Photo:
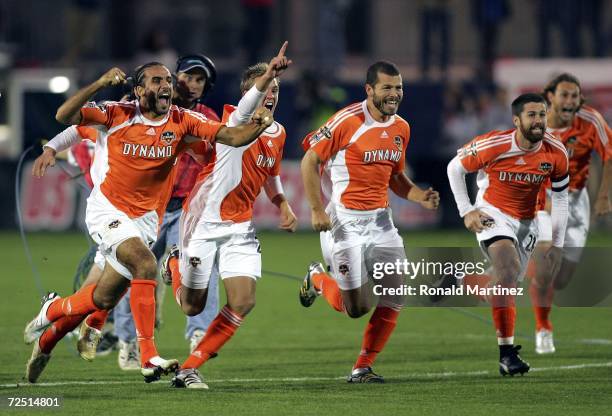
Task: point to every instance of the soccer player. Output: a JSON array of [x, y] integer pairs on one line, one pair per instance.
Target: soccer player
[[217, 237], [582, 130], [133, 172], [361, 150], [512, 165]]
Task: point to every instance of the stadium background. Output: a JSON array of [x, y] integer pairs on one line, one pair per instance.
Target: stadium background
[[494, 50]]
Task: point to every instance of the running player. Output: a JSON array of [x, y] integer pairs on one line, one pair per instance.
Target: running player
[[133, 172], [361, 150], [512, 165], [217, 237], [582, 130]]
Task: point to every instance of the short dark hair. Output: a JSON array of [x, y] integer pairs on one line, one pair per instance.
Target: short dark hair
[[139, 71], [249, 75], [385, 67], [564, 77], [519, 102]]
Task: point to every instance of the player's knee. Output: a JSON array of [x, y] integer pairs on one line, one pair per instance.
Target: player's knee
[[104, 301], [144, 269], [509, 272], [357, 311]]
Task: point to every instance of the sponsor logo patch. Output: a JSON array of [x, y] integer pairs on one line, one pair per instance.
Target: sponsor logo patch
[[114, 224], [167, 137], [343, 269], [195, 261], [545, 167]]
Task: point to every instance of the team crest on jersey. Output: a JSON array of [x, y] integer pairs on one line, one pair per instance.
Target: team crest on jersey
[[195, 261], [469, 150], [343, 269], [114, 224], [398, 142], [167, 137], [323, 133], [569, 146], [99, 106], [546, 167]]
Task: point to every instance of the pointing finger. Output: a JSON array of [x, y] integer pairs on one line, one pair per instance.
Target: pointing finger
[[283, 49]]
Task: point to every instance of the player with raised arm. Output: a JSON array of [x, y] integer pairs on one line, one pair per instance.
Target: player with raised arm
[[136, 150], [582, 130], [512, 165], [217, 237], [361, 150]]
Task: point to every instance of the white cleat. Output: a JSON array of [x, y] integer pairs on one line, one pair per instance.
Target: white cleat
[[35, 328], [188, 378], [89, 338], [129, 356], [37, 363], [153, 369], [195, 339], [544, 342]]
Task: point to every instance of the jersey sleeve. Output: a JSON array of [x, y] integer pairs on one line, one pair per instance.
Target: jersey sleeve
[[102, 114], [559, 178], [473, 156], [87, 133], [327, 141], [196, 124], [401, 165]]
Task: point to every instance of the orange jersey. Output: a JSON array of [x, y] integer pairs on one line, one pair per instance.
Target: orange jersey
[[509, 178], [135, 156], [228, 185], [589, 132], [360, 155]]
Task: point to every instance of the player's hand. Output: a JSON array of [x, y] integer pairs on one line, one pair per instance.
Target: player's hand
[[279, 63], [288, 220], [320, 220], [554, 256], [476, 221], [602, 206], [263, 117], [430, 199], [112, 77], [43, 161]]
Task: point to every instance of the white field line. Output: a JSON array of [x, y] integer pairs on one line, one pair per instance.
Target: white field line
[[446, 374]]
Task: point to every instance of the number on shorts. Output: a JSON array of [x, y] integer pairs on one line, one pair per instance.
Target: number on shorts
[[531, 243]]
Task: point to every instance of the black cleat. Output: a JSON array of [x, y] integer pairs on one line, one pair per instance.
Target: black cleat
[[512, 363], [364, 375]]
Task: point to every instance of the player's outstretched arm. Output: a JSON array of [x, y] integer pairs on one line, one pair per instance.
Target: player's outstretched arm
[[246, 133], [312, 186], [70, 112], [602, 202], [61, 142]]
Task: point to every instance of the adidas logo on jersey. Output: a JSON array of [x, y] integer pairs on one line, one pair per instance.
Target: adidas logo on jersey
[[270, 144], [150, 132], [384, 135], [520, 161]]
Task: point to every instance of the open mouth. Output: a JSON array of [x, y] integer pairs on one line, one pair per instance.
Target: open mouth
[[269, 105], [391, 101], [537, 130], [164, 98], [567, 110]]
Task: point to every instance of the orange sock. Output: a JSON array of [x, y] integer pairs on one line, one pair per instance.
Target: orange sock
[[80, 303], [379, 329], [541, 301], [173, 265], [220, 330], [97, 319], [57, 331], [329, 289], [504, 316], [142, 302]]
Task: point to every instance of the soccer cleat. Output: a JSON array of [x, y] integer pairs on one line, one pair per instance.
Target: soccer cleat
[[195, 339], [129, 356], [35, 328], [188, 378], [544, 342], [107, 344], [364, 375], [153, 369], [165, 271], [308, 293], [36, 364], [512, 363], [89, 338]]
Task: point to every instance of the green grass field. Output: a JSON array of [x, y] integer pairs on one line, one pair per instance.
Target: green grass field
[[289, 360]]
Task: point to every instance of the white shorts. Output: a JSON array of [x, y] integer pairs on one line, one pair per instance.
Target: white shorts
[[233, 251], [357, 240], [524, 233], [578, 222], [110, 227]]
